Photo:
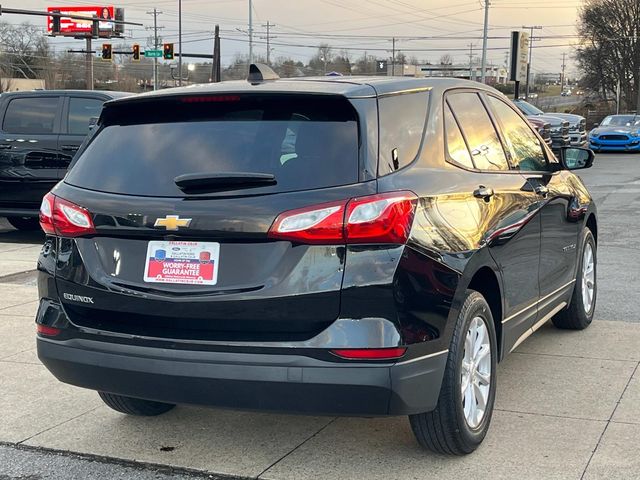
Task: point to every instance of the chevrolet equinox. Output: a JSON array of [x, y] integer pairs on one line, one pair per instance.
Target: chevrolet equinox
[[340, 246]]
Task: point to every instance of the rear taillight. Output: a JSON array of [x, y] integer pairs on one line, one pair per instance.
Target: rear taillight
[[384, 218], [370, 353], [46, 214], [61, 217]]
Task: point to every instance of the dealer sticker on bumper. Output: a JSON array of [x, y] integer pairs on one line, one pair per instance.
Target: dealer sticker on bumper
[[191, 263]]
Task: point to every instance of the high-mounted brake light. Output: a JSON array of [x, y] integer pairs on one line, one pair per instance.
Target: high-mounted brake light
[[370, 353], [210, 98], [383, 218], [61, 217]]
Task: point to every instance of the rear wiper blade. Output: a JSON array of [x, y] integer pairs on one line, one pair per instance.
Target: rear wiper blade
[[210, 182]]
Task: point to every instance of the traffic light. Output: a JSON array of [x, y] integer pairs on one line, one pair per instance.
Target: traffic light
[[167, 52], [106, 52], [136, 52], [55, 27]]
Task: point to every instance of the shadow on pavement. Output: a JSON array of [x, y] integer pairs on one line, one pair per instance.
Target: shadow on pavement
[[8, 234]]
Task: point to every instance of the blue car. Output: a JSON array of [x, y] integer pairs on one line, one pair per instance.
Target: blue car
[[616, 133]]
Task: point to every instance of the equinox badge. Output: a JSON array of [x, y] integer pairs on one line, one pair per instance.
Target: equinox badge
[[172, 222], [77, 298]]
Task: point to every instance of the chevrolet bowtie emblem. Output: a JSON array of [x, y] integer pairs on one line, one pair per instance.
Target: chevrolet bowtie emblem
[[172, 222]]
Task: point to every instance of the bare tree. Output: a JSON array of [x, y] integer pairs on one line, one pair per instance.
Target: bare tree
[[610, 49], [25, 51]]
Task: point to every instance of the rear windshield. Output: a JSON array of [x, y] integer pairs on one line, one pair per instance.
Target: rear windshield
[[307, 142]]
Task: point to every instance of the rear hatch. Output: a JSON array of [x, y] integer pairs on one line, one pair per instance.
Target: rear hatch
[[183, 191]]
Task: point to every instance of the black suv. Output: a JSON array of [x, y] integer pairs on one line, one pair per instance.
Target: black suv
[[344, 246], [40, 132]]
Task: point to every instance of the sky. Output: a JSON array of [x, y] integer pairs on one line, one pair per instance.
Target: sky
[[450, 27]]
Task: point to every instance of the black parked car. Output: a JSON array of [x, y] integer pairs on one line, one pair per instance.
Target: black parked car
[[40, 132], [349, 246]]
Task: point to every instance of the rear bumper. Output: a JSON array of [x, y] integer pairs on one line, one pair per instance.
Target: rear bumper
[[19, 212], [289, 383]]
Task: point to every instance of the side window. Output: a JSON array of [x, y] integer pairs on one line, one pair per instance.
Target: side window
[[31, 115], [80, 112], [478, 130], [526, 152], [402, 119], [456, 146]]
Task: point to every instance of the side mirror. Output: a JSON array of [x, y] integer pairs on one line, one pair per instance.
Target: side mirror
[[596, 125], [574, 158]]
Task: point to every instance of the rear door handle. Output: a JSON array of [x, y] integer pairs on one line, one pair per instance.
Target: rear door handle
[[5, 146], [72, 148], [541, 190], [483, 192]]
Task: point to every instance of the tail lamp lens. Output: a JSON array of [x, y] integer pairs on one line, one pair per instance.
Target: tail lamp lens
[[319, 224], [384, 218], [66, 219], [46, 214]]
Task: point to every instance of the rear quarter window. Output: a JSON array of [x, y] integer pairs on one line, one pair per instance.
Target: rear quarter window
[[402, 120]]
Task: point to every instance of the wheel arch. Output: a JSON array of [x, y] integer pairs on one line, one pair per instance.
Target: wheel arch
[[592, 224], [482, 275], [485, 281]]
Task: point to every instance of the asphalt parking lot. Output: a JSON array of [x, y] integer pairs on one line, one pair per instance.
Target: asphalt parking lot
[[568, 403]]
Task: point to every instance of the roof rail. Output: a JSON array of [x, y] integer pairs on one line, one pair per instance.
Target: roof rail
[[259, 72]]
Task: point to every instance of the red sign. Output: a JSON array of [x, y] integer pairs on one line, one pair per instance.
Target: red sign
[[72, 26]]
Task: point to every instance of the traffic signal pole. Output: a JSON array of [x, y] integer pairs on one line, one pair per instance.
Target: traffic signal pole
[[88, 66]]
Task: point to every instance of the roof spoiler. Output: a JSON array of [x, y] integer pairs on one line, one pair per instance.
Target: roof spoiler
[[259, 72]]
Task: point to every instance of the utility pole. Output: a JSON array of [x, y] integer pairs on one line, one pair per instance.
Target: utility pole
[[180, 42], [564, 55], [531, 28], [471, 76], [250, 32], [156, 44], [485, 34], [88, 65], [268, 38], [393, 56], [215, 67]]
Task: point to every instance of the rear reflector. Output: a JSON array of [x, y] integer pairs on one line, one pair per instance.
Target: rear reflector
[[384, 218], [47, 331], [61, 217], [370, 353]]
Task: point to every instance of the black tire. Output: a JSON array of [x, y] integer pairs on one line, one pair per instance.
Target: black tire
[[575, 317], [135, 406], [445, 429], [26, 224]]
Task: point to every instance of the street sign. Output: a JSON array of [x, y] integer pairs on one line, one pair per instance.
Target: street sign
[[153, 53], [519, 60], [381, 66]]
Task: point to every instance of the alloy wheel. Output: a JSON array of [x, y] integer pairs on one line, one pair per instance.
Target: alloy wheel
[[588, 277], [476, 372]]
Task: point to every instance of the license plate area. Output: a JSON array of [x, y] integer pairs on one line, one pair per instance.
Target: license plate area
[[186, 263]]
